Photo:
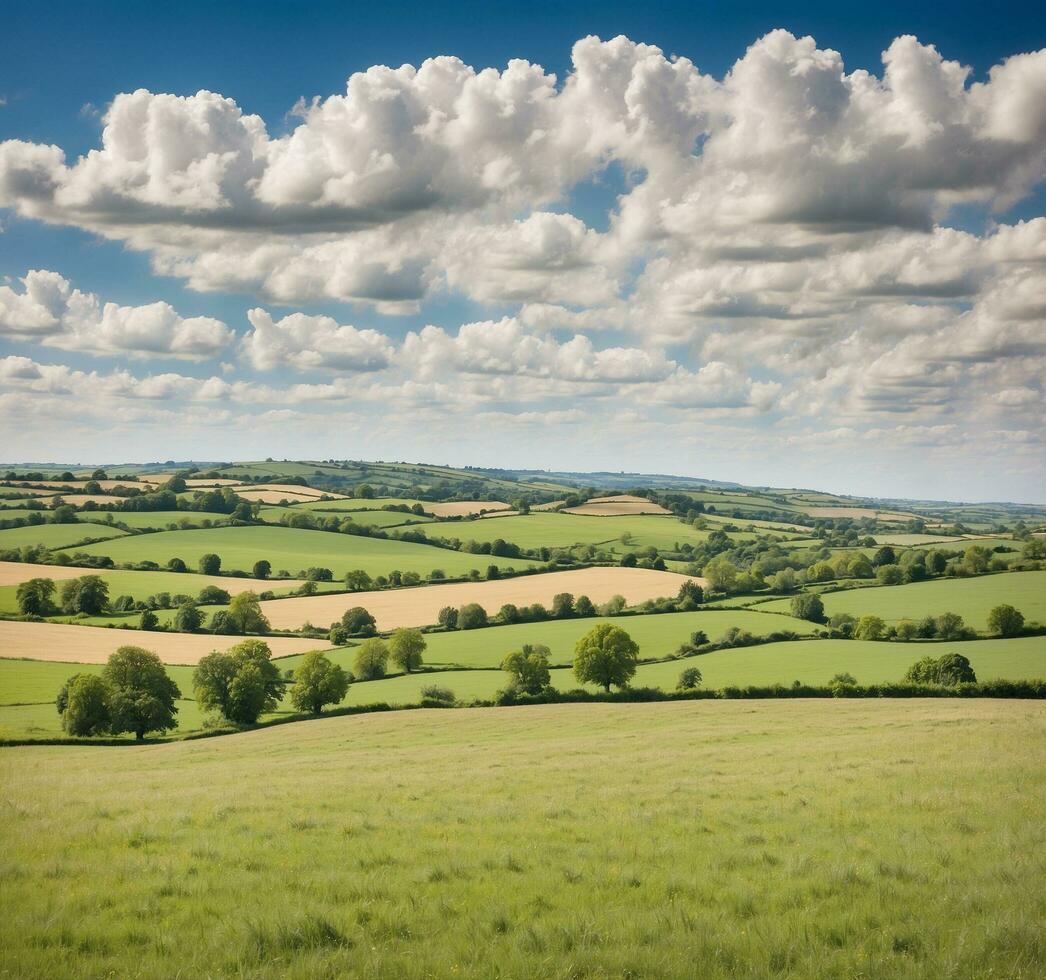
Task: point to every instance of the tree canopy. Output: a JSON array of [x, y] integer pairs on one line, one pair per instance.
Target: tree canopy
[[605, 655]]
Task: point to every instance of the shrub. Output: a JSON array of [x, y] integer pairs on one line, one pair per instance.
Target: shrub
[[948, 670], [211, 595], [689, 679], [808, 606], [949, 626], [842, 684], [262, 569], [358, 622], [472, 616], [448, 618], [1005, 620], [434, 696], [210, 564], [188, 618]]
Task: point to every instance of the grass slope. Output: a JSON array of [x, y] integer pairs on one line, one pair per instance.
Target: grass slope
[[55, 535], [729, 839], [293, 549], [972, 598]]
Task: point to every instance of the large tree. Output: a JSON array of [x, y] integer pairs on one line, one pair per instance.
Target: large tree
[[36, 597], [245, 613], [529, 667], [1005, 620], [808, 606], [372, 658], [83, 703], [318, 682], [88, 594], [406, 647], [605, 655], [141, 695], [242, 683], [358, 621]]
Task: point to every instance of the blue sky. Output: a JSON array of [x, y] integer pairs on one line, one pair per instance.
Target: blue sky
[[633, 320]]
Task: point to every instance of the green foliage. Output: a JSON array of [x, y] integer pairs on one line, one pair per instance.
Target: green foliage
[[140, 694], [1005, 620], [317, 683], [188, 618], [371, 661], [246, 615], [36, 597], [689, 679], [210, 564], [148, 620], [471, 616], [406, 647], [83, 705], [949, 670], [358, 622], [262, 569], [583, 606], [211, 595], [358, 580], [88, 595], [529, 668], [435, 696], [842, 683], [606, 655], [721, 574], [562, 605], [242, 683], [869, 627], [949, 626], [448, 617], [808, 606], [889, 575]]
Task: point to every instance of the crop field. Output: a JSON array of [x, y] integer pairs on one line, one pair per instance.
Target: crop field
[[420, 606], [752, 838], [464, 508], [293, 549], [158, 520], [55, 535], [358, 503], [972, 598], [94, 644]]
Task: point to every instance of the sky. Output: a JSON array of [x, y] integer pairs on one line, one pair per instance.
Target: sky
[[790, 245]]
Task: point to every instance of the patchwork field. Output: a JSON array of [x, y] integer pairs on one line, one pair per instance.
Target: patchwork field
[[93, 645], [420, 606], [752, 838], [55, 535], [293, 549], [973, 598], [463, 508]]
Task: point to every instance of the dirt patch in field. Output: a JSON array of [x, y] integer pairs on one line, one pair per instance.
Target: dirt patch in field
[[94, 644], [464, 508], [421, 606], [617, 507]]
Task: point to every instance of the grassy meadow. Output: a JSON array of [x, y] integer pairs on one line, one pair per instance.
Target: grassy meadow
[[807, 839], [55, 535], [293, 549], [972, 598]]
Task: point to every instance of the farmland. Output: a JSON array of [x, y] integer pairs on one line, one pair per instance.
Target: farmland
[[972, 598], [724, 823], [292, 549], [55, 535]]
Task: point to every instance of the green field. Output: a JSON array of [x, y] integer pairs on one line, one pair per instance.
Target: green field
[[294, 549], [163, 519], [657, 635], [972, 598], [896, 839], [358, 503], [368, 518], [55, 535], [549, 529]]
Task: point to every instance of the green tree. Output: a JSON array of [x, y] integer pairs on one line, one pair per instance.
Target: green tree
[[907, 630], [245, 613], [84, 706], [242, 683], [372, 658], [471, 616], [605, 655], [188, 618], [406, 647], [869, 627], [36, 597], [691, 591], [583, 606], [949, 626], [808, 606], [358, 580], [140, 695], [721, 574], [358, 622], [889, 575], [1005, 620], [529, 668], [318, 682], [262, 569], [211, 595], [954, 668], [177, 565], [689, 679], [448, 618], [884, 556], [148, 620], [562, 605], [210, 564], [840, 684], [88, 594]]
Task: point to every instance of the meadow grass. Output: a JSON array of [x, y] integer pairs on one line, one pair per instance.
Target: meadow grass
[[973, 598], [55, 535], [807, 839], [367, 518], [157, 519], [294, 549]]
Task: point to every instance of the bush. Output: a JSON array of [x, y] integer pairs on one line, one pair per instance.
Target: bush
[[211, 595], [433, 696], [869, 627], [1005, 620], [472, 616], [210, 564], [529, 668], [188, 619], [358, 622], [948, 670], [689, 679]]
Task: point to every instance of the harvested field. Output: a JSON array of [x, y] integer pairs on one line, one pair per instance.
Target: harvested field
[[274, 496], [93, 644], [464, 508], [420, 606], [16, 572], [857, 513], [619, 506], [310, 492]]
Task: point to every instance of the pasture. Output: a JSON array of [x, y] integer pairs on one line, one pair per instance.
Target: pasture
[[293, 549], [747, 839], [420, 606], [619, 506], [972, 598], [55, 536]]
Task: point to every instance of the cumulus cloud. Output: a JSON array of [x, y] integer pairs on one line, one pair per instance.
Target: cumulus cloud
[[309, 342], [49, 310]]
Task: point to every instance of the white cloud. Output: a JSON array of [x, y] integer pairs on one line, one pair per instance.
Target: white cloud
[[309, 342], [49, 310]]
